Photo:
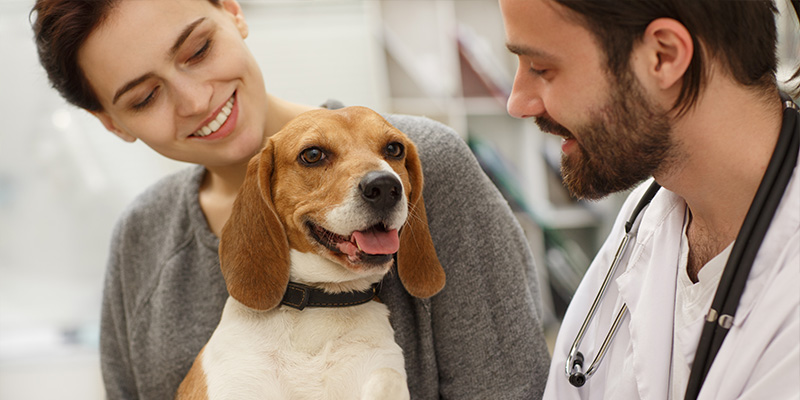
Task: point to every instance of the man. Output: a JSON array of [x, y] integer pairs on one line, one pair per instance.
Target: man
[[683, 91]]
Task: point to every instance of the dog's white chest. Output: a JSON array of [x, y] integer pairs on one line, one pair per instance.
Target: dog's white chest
[[337, 353]]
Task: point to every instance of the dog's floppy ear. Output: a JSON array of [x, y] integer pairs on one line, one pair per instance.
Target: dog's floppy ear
[[254, 249], [417, 265]]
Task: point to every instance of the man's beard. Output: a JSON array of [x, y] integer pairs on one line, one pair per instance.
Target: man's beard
[[626, 142]]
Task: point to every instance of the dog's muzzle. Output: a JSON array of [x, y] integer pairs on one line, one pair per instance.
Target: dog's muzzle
[[381, 190], [375, 241]]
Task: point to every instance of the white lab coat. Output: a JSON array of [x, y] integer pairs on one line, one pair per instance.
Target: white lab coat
[[760, 357]]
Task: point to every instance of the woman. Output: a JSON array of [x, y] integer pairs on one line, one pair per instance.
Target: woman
[[178, 76]]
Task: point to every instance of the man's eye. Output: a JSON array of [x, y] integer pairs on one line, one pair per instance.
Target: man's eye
[[538, 72], [312, 155]]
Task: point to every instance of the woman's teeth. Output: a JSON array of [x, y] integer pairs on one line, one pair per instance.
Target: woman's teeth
[[217, 122]]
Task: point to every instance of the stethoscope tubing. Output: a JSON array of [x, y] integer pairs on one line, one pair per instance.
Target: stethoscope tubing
[[573, 367], [737, 269], [575, 375]]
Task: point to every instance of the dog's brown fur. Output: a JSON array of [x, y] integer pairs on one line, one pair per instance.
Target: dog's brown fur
[[255, 243]]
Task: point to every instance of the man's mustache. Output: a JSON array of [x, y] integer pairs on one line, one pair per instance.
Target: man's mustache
[[547, 125]]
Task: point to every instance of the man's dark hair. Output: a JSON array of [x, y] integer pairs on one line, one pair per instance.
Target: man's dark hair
[[740, 35], [796, 5]]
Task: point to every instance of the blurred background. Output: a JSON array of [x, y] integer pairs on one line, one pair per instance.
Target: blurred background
[[64, 179]]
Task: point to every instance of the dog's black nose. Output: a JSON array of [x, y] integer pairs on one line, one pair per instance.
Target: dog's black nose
[[381, 189]]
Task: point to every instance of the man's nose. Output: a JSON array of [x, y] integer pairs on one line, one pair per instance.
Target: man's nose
[[525, 100]]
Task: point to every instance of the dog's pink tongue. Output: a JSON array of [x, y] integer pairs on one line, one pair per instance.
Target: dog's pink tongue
[[377, 242]]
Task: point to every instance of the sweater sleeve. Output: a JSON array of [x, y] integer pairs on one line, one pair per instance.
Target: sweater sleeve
[[118, 376], [148, 336], [486, 322]]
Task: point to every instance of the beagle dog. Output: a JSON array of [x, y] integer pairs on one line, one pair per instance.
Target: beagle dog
[[327, 207]]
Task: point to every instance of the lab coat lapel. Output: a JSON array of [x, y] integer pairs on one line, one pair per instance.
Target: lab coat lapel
[[648, 287]]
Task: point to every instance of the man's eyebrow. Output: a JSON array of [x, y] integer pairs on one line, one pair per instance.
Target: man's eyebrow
[[174, 49], [522, 50]]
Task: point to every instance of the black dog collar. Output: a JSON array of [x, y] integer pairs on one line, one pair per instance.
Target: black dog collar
[[300, 296]]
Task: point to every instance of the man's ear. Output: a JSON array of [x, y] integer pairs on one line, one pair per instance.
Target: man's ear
[[664, 54], [233, 7], [111, 126]]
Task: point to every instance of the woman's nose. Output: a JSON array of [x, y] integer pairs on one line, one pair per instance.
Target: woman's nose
[[194, 97], [525, 100]]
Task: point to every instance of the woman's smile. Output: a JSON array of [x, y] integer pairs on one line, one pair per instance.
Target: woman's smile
[[221, 123]]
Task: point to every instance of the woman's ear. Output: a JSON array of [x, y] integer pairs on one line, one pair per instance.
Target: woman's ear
[[111, 126], [233, 7], [664, 54]]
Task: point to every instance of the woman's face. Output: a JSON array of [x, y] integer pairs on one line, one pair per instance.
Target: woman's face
[[177, 75]]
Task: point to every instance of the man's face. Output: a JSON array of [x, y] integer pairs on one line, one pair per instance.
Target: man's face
[[614, 136], [624, 143]]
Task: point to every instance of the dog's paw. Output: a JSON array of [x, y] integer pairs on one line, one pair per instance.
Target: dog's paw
[[385, 384]]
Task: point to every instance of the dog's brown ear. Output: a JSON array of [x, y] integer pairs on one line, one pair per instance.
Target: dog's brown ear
[[254, 249], [417, 265]]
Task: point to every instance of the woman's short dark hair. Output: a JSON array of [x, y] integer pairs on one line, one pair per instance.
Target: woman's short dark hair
[[60, 28], [740, 35]]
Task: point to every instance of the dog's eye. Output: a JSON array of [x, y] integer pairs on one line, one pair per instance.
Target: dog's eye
[[312, 155], [395, 150]]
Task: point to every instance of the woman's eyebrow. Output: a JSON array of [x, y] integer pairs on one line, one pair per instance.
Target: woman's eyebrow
[[172, 51], [184, 35], [130, 85]]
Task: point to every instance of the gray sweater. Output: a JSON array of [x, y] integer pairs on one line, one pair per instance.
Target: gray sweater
[[480, 338]]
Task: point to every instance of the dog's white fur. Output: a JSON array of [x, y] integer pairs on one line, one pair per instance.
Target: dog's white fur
[[314, 354]]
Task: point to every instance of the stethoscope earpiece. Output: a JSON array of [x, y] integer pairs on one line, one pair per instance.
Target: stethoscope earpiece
[[576, 377]]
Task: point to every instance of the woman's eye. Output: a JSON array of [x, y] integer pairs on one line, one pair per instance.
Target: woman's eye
[[147, 100], [201, 52], [312, 155], [395, 150]]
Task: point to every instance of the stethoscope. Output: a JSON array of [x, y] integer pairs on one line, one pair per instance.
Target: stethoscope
[[731, 286]]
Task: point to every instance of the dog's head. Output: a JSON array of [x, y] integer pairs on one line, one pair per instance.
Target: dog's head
[[343, 185]]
